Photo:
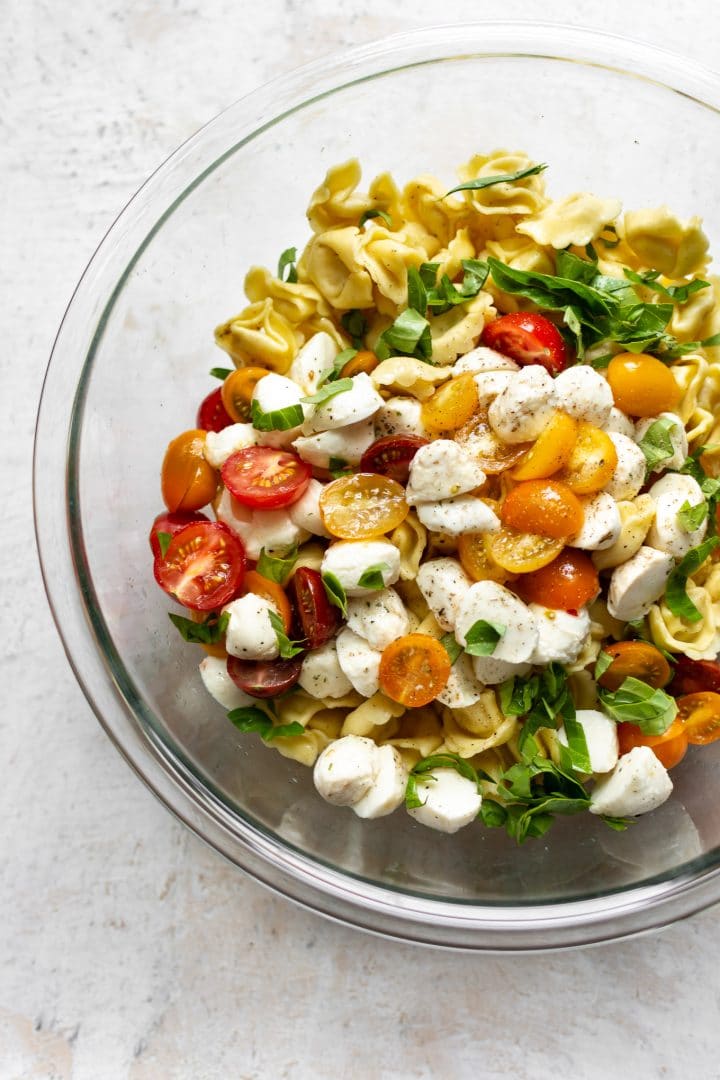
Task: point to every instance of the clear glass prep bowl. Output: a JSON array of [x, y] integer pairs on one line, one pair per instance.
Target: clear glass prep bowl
[[130, 364]]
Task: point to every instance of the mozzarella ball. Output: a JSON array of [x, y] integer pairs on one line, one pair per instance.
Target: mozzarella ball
[[638, 583], [483, 359], [305, 511], [315, 357], [219, 445], [678, 440], [345, 770], [602, 523], [561, 636], [450, 801], [638, 783], [462, 688], [619, 423], [491, 383], [443, 583], [629, 475], [387, 790], [495, 604], [347, 444], [600, 736], [361, 402], [321, 675], [584, 394], [457, 516], [359, 661], [490, 671], [378, 617], [276, 392], [442, 470], [667, 533], [249, 634], [400, 416], [217, 682], [349, 559], [273, 530], [522, 410]]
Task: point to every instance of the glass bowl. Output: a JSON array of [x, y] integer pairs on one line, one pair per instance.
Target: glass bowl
[[130, 364]]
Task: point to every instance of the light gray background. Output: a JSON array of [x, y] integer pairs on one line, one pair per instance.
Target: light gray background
[[128, 950]]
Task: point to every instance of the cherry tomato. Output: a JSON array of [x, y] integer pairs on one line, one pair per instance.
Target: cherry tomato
[[414, 670], [669, 748], [362, 363], [546, 507], [272, 592], [479, 439], [451, 406], [521, 553], [567, 583], [237, 392], [700, 716], [637, 660], [551, 451], [264, 678], [317, 619], [362, 506], [695, 676], [592, 461], [212, 414], [642, 385], [170, 524], [261, 477], [527, 338], [203, 566], [476, 561], [391, 456], [187, 481]]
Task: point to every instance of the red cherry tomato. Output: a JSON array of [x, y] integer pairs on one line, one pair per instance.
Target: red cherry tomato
[[695, 676], [203, 566], [265, 478], [171, 524], [212, 414], [567, 583], [264, 678], [527, 338], [391, 456], [316, 619]]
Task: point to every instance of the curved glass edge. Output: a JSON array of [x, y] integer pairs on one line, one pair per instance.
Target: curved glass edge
[[256, 855]]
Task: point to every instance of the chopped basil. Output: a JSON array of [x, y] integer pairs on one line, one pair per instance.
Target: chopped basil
[[603, 662], [409, 335], [451, 646], [287, 262], [329, 390], [439, 761], [475, 276], [355, 323], [335, 592], [252, 719], [656, 444], [600, 362], [338, 467], [692, 517], [210, 632], [332, 374], [517, 696], [221, 372], [499, 178], [482, 638], [287, 648], [679, 294], [676, 351], [531, 792], [277, 567], [634, 702], [428, 274], [372, 578], [369, 214], [276, 420], [577, 747], [417, 293], [676, 595], [163, 539]]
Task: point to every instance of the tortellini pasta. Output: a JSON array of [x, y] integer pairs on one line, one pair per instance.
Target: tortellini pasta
[[663, 242], [260, 335], [410, 538], [577, 219], [525, 196], [636, 517], [331, 261], [406, 375], [699, 640]]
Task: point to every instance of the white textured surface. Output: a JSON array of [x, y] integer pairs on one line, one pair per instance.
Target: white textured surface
[[128, 950]]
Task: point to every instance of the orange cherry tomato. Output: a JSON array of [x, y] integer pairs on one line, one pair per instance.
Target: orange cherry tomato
[[451, 406], [490, 452], [272, 592], [551, 451], [237, 392], [187, 481], [476, 561], [362, 362], [669, 748], [414, 670], [642, 385], [546, 507], [362, 506], [592, 461], [567, 583], [700, 715], [519, 552], [637, 660]]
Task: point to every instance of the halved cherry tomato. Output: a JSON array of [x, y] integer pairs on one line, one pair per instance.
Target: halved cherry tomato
[[476, 561], [264, 678], [479, 439], [637, 660], [700, 716], [237, 391], [519, 552], [451, 406], [669, 748], [261, 477], [203, 566], [272, 592], [187, 481], [317, 619], [642, 385], [414, 670], [546, 507], [362, 506], [362, 363], [695, 676], [170, 524], [391, 456], [592, 461], [212, 414], [527, 338], [567, 583], [551, 451]]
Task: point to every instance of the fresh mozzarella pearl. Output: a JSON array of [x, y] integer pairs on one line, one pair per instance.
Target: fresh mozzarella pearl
[[305, 512], [379, 617], [462, 688], [523, 409], [601, 738], [249, 634], [483, 359], [321, 675], [456, 516], [273, 530], [619, 423], [400, 416], [316, 356], [495, 604], [584, 394], [359, 661], [387, 790], [346, 444], [602, 523], [443, 583], [561, 635], [348, 407], [219, 445], [490, 671], [442, 470], [349, 559], [638, 583], [678, 439], [666, 533], [213, 672], [449, 800], [629, 475], [345, 770], [276, 392], [491, 383], [638, 783]]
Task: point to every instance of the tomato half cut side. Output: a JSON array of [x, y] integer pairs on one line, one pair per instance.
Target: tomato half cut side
[[391, 456], [264, 678], [316, 620], [700, 716], [669, 747], [414, 670], [170, 524], [695, 676], [527, 338], [212, 414], [636, 660], [203, 567], [264, 478], [567, 583]]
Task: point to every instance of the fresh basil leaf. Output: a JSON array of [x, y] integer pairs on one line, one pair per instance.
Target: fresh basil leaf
[[476, 272], [332, 374], [493, 814], [409, 335], [287, 648], [551, 292], [252, 719], [428, 274], [656, 444], [335, 592], [692, 517], [372, 578], [600, 362], [417, 298], [221, 372], [287, 262], [276, 420], [446, 760], [370, 214], [482, 638], [329, 390], [277, 567], [355, 323], [677, 350], [574, 268], [603, 662], [163, 539], [500, 178], [533, 791], [618, 824], [338, 467], [517, 696], [412, 798], [679, 294], [451, 646], [577, 746], [676, 595], [210, 632], [634, 702]]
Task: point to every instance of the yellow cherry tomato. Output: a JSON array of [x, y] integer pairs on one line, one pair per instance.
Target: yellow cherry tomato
[[642, 385], [700, 716], [362, 506], [362, 363], [414, 670], [451, 406], [551, 451], [476, 561], [490, 452], [519, 552], [237, 392], [187, 481], [592, 462]]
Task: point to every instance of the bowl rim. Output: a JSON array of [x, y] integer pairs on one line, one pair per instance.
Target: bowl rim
[[274, 862]]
